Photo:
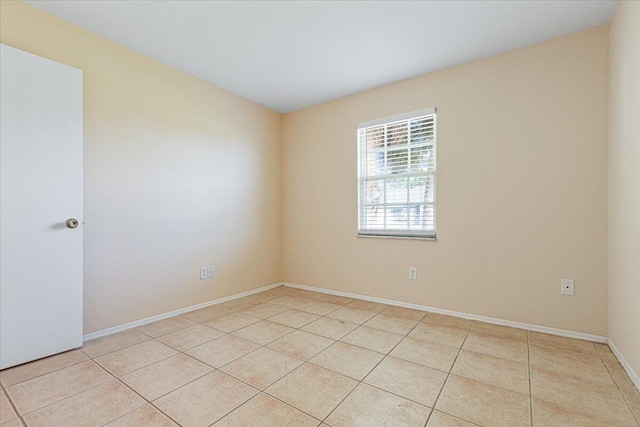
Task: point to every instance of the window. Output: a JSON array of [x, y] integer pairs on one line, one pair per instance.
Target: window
[[397, 176]]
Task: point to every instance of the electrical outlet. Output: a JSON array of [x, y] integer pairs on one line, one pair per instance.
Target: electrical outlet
[[567, 287], [206, 272], [210, 271], [413, 273]]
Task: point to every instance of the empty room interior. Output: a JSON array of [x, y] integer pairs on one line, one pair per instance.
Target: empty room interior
[[320, 213]]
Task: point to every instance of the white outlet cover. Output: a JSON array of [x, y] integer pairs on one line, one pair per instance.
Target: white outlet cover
[[413, 273], [567, 287], [203, 273], [209, 271]]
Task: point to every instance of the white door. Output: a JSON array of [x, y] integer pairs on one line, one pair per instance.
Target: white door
[[40, 189]]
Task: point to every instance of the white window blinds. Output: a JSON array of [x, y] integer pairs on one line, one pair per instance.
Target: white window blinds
[[397, 175]]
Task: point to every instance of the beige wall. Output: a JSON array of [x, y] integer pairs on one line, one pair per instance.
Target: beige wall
[[522, 170], [178, 174], [624, 182]]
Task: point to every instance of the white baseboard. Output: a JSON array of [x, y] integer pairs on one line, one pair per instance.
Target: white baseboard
[[135, 324], [527, 326], [627, 367]]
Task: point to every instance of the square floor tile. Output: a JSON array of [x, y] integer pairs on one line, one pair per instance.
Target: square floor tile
[[368, 406], [312, 389], [318, 307], [453, 337], [166, 326], [41, 391], [191, 337], [301, 345], [205, 314], [41, 367], [583, 365], [145, 416], [135, 357], [290, 301], [367, 305], [13, 423], [440, 419], [6, 410], [223, 350], [561, 343], [262, 368], [294, 318], [330, 328], [483, 404], [264, 310], [231, 322], [333, 299], [263, 332], [547, 414], [408, 380], [373, 339], [352, 315], [94, 407], [516, 351], [442, 320], [426, 353], [349, 360], [206, 400], [407, 313], [265, 411], [481, 328], [163, 377], [109, 344], [398, 325], [491, 370], [589, 397]]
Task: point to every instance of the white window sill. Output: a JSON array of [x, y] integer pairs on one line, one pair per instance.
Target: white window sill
[[382, 236]]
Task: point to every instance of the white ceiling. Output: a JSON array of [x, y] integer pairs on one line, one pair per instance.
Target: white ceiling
[[289, 55]]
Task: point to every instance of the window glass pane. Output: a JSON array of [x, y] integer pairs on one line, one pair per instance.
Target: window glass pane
[[421, 189], [423, 158], [374, 217], [374, 192], [397, 218], [422, 130], [422, 217], [397, 190], [397, 161], [375, 163], [397, 134], [374, 137]]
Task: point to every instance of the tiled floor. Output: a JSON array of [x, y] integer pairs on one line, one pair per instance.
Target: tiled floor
[[287, 357]]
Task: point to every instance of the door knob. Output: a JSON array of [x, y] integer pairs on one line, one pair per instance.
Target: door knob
[[72, 223]]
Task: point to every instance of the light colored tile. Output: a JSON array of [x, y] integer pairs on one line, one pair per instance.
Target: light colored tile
[[426, 353], [312, 389], [352, 315], [262, 367], [398, 325], [109, 344], [546, 414], [223, 350], [265, 411], [205, 314], [373, 339], [290, 301], [13, 423], [333, 299], [367, 305], [350, 360], [263, 332], [516, 351], [491, 370], [407, 313], [206, 400], [94, 407], [163, 377], [6, 410], [409, 380], [481, 328], [453, 337], [582, 365], [264, 310], [442, 320], [145, 416], [632, 397], [483, 404], [318, 307], [440, 419], [41, 367], [41, 391], [368, 406], [166, 326], [301, 345], [617, 372], [561, 343], [330, 328], [191, 337], [232, 322], [135, 357], [294, 318], [596, 399]]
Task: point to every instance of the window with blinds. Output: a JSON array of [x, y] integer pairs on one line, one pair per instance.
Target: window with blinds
[[397, 176]]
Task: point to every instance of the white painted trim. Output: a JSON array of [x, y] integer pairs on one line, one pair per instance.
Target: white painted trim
[[135, 324], [510, 323], [627, 367]]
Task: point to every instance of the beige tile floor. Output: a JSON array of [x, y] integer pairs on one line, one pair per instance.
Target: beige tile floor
[[287, 357]]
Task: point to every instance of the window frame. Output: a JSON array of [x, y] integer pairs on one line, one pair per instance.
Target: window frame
[[361, 179]]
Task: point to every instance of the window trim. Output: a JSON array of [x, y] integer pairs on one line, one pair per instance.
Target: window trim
[[397, 234]]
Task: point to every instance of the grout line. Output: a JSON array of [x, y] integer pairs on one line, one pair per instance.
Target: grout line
[[13, 405]]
